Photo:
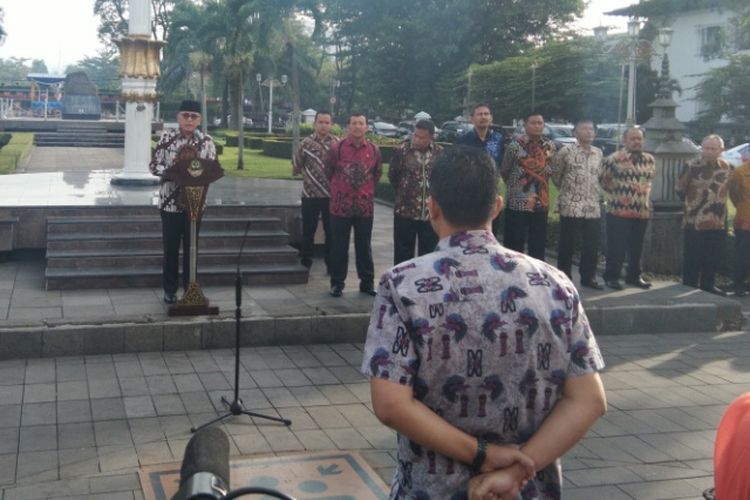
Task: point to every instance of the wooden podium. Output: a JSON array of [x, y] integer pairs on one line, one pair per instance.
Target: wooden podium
[[193, 175]]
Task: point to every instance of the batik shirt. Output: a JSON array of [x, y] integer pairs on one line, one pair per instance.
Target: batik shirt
[[626, 180], [308, 161], [409, 174], [576, 171], [525, 170], [739, 192], [486, 337], [353, 170], [704, 187], [165, 154]]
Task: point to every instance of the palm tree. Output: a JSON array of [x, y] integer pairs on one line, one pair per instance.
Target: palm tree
[[2, 28]]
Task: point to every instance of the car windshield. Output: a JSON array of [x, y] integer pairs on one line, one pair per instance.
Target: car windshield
[[561, 131], [385, 126]]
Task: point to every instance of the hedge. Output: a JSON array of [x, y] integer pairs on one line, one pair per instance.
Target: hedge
[[277, 149]]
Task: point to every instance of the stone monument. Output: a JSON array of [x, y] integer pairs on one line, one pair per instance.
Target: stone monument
[[80, 99], [139, 69], [664, 140]]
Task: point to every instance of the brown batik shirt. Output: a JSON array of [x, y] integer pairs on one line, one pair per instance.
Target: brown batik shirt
[[409, 174], [703, 185], [308, 161]]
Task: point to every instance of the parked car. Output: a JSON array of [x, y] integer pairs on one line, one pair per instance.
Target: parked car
[[246, 120], [560, 133], [737, 155], [452, 130], [385, 129]]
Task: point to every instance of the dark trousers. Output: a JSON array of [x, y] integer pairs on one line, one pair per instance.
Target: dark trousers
[[175, 231], [406, 233], [341, 228], [586, 231], [741, 257], [701, 253], [312, 209], [522, 227], [624, 239]]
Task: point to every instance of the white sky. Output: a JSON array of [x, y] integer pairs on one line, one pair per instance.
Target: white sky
[[64, 31]]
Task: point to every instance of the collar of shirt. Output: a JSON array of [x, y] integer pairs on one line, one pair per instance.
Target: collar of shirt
[[476, 238], [492, 135], [347, 141], [322, 140]]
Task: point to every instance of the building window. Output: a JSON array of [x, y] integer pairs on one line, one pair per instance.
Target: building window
[[712, 42]]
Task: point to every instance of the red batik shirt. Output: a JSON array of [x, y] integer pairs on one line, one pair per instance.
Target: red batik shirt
[[353, 170]]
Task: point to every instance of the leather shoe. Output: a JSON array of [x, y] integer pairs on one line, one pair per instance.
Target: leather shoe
[[715, 290], [170, 298], [592, 284], [614, 284], [336, 291], [639, 283], [368, 289], [306, 262]]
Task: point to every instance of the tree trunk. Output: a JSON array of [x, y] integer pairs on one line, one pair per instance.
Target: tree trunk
[[204, 104], [225, 103], [238, 115], [295, 99]]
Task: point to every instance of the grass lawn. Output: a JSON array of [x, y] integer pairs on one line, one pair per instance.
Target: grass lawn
[[18, 147]]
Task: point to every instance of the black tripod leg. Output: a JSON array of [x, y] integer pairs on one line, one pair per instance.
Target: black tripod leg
[[267, 417], [217, 419]]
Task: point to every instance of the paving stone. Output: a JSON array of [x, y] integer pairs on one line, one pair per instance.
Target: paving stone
[[196, 401], [38, 438], [11, 394], [654, 490], [153, 364], [251, 443], [139, 406], [146, 430], [292, 377], [104, 388], [347, 374], [107, 409], [67, 372], [280, 397], [358, 415], [168, 404], [347, 439], [112, 432], [608, 492], [40, 371], [187, 382], [117, 457], [161, 384], [214, 381], [37, 466], [74, 436], [338, 394], [72, 390], [38, 414], [603, 476], [266, 378], [78, 462], [309, 396], [154, 453], [314, 440], [281, 439], [8, 468], [73, 411], [135, 386]]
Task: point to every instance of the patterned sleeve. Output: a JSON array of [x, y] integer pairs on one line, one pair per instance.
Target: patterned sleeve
[[585, 356], [297, 159], [378, 171], [210, 148], [557, 166], [605, 174], [395, 167], [509, 159], [159, 158], [735, 187], [389, 353]]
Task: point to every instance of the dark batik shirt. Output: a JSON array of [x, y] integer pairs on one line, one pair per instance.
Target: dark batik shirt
[[165, 154], [353, 170], [525, 169], [486, 337], [703, 184], [409, 174], [309, 161]]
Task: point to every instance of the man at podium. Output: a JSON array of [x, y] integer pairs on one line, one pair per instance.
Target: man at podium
[[175, 144]]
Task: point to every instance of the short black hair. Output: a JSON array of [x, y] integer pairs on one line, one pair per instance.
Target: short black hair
[[480, 105], [584, 120], [464, 185], [531, 113], [322, 112], [357, 113], [426, 125]]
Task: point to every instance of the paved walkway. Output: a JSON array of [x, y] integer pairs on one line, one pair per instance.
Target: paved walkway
[[57, 159], [80, 426]]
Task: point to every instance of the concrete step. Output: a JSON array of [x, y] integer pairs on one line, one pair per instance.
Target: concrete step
[[137, 224], [142, 257], [153, 240], [115, 277]]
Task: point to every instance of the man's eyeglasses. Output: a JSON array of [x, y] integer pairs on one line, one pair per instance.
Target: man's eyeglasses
[[190, 116]]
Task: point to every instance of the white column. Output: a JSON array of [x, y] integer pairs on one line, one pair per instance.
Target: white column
[[140, 18], [138, 117], [139, 108]]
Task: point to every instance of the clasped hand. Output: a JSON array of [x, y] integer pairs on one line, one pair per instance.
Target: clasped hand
[[505, 471]]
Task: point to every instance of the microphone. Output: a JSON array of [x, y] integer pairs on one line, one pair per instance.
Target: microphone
[[205, 467], [238, 276]]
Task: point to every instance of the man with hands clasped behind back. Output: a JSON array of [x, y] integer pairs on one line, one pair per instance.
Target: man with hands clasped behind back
[[474, 350]]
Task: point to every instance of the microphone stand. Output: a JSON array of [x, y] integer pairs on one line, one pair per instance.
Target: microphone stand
[[237, 407]]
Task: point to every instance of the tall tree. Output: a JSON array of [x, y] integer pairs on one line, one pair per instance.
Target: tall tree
[[113, 18], [725, 95], [103, 69], [3, 34]]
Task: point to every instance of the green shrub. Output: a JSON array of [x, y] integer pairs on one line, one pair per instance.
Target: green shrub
[[306, 129], [277, 149], [4, 139], [17, 147]]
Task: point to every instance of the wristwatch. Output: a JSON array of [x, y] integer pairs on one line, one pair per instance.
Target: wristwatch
[[476, 464]]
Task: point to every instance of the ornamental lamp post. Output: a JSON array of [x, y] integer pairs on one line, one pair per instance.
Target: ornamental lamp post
[[271, 83]]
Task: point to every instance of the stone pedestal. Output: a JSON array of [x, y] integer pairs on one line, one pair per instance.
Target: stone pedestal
[[662, 247], [139, 112]]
